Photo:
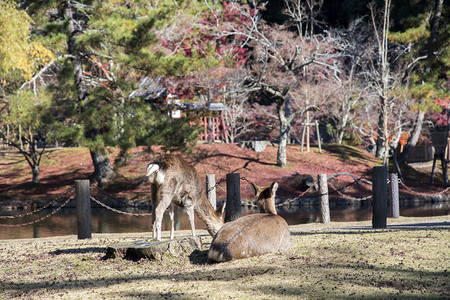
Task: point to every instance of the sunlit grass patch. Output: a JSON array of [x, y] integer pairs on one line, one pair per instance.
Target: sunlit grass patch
[[323, 263]]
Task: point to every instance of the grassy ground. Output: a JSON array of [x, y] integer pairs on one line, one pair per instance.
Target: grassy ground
[[409, 260]]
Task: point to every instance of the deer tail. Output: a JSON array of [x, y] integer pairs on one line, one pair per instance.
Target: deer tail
[[155, 174]]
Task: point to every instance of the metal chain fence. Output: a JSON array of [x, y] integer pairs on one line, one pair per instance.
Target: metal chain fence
[[289, 201], [346, 196], [424, 194], [245, 202], [39, 209], [42, 218], [217, 185], [113, 209], [119, 211]]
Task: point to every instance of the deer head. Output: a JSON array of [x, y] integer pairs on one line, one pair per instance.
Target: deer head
[[265, 197]]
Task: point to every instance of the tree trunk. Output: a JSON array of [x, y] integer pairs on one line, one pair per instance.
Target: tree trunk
[[342, 122], [77, 61], [435, 28], [103, 169], [383, 85], [381, 137], [35, 171], [413, 140], [284, 133], [281, 153]]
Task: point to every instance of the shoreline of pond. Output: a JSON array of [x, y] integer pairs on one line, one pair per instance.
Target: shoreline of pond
[[64, 221], [23, 206]]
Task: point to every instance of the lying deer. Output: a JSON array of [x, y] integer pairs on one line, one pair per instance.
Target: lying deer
[[176, 183], [254, 234]]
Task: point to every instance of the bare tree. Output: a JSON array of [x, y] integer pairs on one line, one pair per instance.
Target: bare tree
[[303, 14], [235, 96], [382, 84], [281, 62]]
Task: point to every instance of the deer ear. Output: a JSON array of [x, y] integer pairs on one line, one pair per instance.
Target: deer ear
[[220, 210], [274, 187], [254, 187]]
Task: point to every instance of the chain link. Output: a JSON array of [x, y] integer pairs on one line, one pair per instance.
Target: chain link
[[40, 219], [37, 210], [217, 185], [424, 194], [113, 209], [288, 202], [348, 197], [107, 194], [245, 179], [119, 211]]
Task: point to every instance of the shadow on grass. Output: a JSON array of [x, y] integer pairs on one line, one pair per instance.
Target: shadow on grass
[[100, 250], [203, 155], [12, 163], [429, 285], [150, 295], [122, 184], [348, 153], [368, 230], [198, 257]]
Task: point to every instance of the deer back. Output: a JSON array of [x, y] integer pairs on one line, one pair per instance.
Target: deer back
[[251, 235], [172, 175], [254, 234]]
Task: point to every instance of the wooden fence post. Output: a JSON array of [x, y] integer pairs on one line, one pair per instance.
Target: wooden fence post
[[323, 198], [233, 206], [36, 231], [211, 189], [395, 208], [83, 200], [379, 199]]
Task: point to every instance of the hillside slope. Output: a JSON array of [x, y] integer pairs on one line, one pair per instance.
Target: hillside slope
[[61, 167]]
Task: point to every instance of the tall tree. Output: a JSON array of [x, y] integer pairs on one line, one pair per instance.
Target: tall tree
[[105, 48], [62, 24], [430, 84], [25, 120], [382, 84]]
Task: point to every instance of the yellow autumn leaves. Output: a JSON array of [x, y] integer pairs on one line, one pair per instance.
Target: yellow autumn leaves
[[17, 50]]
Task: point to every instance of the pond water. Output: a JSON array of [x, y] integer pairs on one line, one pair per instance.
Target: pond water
[[104, 221]]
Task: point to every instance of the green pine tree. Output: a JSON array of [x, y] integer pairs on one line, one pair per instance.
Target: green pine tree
[[104, 47]]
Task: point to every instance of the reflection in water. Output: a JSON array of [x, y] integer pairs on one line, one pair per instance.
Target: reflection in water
[[104, 221]]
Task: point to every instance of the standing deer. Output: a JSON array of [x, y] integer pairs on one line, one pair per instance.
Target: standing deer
[[175, 182], [254, 234]]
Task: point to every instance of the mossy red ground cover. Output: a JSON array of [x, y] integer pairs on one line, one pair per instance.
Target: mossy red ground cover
[[61, 167]]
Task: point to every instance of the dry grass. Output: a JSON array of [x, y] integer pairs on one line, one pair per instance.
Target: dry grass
[[338, 261]]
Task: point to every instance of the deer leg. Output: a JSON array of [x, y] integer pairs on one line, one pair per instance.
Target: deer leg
[[153, 224], [157, 225], [190, 213], [172, 222], [159, 214]]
